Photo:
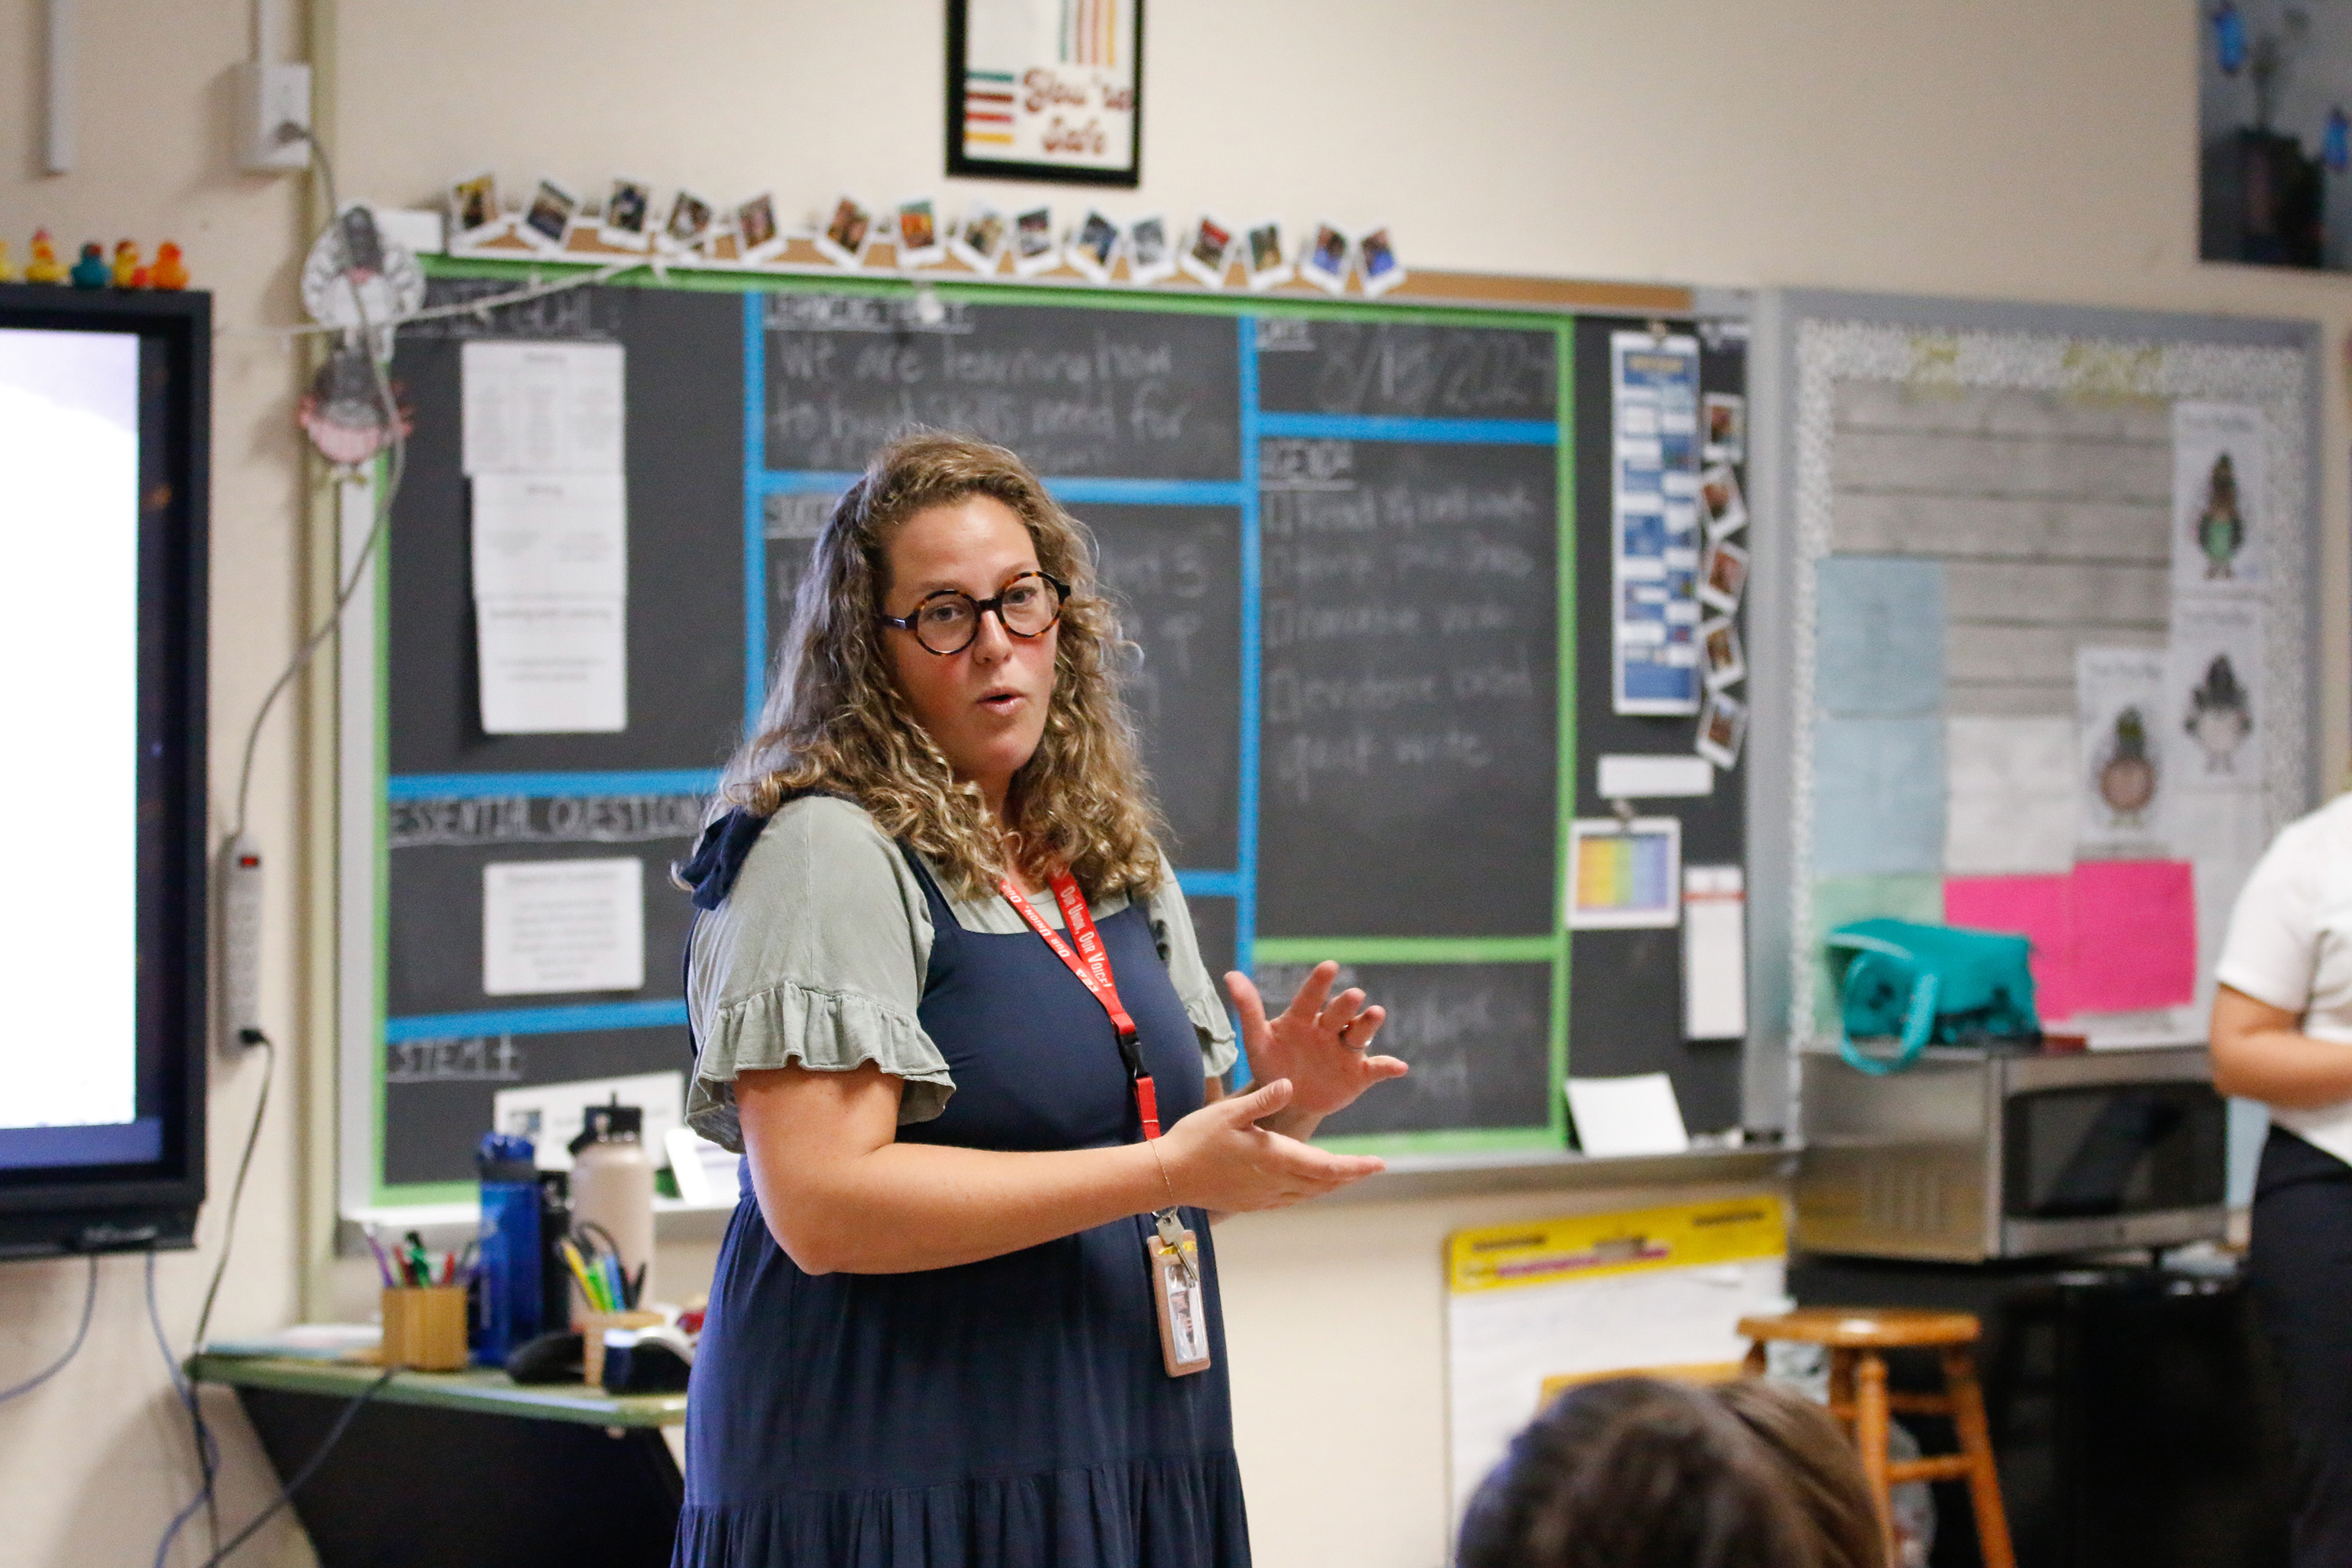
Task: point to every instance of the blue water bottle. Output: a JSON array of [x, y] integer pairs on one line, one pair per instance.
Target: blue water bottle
[[507, 1311]]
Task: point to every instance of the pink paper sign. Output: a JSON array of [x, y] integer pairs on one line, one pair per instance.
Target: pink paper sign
[[2134, 934], [2039, 908]]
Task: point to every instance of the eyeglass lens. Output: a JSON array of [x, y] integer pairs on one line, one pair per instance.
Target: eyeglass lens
[[947, 623]]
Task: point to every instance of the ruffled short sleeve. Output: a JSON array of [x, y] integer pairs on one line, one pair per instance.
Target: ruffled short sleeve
[[1171, 921], [816, 957]]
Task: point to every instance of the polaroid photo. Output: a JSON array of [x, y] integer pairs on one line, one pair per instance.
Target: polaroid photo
[[1726, 576], [1204, 254], [1033, 250], [475, 213], [758, 235], [1262, 256], [1727, 508], [1092, 247], [1324, 262], [1722, 726], [626, 222], [548, 219], [847, 230], [1376, 258], [979, 241], [1151, 255], [915, 229], [690, 220], [1727, 661], [1726, 428]]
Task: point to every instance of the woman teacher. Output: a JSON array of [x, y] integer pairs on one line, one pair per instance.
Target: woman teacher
[[949, 1003], [2282, 1034]]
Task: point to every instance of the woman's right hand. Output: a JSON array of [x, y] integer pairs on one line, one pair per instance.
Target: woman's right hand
[[1218, 1158]]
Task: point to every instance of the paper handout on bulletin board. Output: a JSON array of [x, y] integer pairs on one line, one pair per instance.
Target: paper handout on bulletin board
[[1598, 1293], [1654, 501]]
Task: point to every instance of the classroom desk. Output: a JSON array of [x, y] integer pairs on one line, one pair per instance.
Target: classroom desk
[[464, 1466]]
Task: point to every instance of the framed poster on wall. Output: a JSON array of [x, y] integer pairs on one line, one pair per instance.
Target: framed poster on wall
[[1046, 89]]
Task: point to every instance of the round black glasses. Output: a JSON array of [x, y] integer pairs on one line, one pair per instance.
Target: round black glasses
[[947, 621]]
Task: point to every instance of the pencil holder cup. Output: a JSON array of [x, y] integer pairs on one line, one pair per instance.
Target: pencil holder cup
[[424, 1327], [591, 1339]]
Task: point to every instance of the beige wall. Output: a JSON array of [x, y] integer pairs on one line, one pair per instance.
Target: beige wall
[[2001, 148]]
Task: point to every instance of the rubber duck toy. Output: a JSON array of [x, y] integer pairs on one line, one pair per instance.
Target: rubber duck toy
[[7, 268], [128, 273], [45, 267], [2222, 527], [169, 271], [92, 271]]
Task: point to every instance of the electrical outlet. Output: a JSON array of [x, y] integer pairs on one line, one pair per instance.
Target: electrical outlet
[[240, 941], [270, 98]]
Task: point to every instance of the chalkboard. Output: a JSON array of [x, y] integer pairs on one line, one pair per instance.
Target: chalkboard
[[1625, 987], [1409, 699], [1126, 393], [1400, 369], [684, 453], [1340, 539], [1478, 1036]]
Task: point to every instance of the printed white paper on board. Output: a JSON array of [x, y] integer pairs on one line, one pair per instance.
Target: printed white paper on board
[[2221, 499], [2126, 754], [541, 407], [2010, 805], [2215, 702], [553, 926], [550, 536], [552, 666]]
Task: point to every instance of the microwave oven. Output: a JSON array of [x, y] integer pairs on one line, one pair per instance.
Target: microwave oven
[[1971, 1154]]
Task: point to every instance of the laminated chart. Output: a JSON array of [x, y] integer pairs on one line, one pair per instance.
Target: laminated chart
[[1655, 503]]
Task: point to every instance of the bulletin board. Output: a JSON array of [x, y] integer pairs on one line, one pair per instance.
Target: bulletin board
[[1357, 547], [2041, 639]]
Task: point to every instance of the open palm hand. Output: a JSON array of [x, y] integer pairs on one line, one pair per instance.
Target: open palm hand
[[1320, 1043]]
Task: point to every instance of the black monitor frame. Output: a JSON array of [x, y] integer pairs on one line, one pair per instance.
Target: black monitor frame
[[108, 1208]]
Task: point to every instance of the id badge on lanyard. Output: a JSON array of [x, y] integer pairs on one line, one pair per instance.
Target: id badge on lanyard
[[1173, 1251]]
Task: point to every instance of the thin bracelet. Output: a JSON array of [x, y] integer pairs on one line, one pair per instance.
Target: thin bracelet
[[1162, 1161]]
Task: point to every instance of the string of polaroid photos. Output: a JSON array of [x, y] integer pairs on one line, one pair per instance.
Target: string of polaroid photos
[[557, 223]]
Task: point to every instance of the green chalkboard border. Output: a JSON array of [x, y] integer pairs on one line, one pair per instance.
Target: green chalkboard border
[[1549, 1137]]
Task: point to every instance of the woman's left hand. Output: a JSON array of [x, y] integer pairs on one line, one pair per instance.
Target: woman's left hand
[[1320, 1043]]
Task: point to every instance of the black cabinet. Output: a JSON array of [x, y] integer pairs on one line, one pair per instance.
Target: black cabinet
[[2133, 1411]]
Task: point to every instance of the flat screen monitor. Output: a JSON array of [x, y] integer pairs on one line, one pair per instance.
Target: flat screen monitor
[[104, 433]]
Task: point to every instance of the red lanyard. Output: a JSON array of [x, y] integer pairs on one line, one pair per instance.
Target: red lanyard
[[1094, 973]]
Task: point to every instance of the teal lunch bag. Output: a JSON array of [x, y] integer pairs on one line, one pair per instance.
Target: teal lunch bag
[[1928, 985]]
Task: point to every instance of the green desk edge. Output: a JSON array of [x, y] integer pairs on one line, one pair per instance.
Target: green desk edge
[[479, 1390]]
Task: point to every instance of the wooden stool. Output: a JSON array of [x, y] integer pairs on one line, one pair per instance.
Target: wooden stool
[[1857, 1339]]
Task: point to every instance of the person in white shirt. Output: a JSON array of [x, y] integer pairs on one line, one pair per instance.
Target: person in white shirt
[[2282, 1034]]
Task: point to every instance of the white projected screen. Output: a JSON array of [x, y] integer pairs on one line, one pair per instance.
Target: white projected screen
[[70, 717]]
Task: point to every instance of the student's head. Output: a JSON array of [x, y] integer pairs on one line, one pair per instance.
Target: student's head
[[922, 738], [1637, 1473], [1820, 1463]]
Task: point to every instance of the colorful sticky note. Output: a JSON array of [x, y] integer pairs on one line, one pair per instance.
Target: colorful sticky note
[[1879, 643], [1841, 901], [1878, 797], [2134, 934], [2039, 908]]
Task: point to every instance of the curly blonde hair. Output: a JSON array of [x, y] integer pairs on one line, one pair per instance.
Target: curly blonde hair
[[834, 719]]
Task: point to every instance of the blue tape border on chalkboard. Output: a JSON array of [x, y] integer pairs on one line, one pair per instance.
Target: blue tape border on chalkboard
[[580, 1018], [1424, 432], [549, 786], [758, 482]]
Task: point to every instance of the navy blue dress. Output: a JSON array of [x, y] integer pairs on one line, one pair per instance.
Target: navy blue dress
[[1013, 1413]]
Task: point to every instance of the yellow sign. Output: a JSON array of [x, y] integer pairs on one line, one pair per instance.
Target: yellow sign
[[1639, 1241]]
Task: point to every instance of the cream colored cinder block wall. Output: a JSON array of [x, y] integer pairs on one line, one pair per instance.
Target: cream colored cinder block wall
[[94, 1464], [2000, 148]]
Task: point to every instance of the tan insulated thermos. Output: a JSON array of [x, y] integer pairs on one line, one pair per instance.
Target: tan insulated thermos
[[613, 1187]]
